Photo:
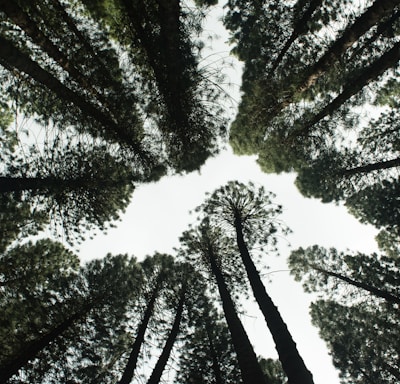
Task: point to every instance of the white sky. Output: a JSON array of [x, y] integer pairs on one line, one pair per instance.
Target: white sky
[[159, 213]]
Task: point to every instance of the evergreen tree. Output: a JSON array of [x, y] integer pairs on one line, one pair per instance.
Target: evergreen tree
[[252, 216], [363, 340]]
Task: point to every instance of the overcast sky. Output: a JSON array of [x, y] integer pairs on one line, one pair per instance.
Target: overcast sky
[[159, 213]]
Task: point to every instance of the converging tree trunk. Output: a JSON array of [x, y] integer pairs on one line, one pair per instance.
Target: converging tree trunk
[[370, 167], [292, 363], [375, 13], [215, 363], [139, 339], [367, 287], [163, 359], [32, 350], [247, 359], [300, 28]]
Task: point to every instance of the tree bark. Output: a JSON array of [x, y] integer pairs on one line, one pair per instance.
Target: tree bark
[[292, 363], [133, 357], [369, 288], [163, 359], [247, 359]]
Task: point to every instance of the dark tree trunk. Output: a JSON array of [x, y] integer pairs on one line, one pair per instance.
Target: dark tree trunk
[[22, 62], [386, 61], [371, 167], [215, 362], [300, 28], [163, 359], [11, 368], [52, 184], [371, 289], [247, 359], [292, 363], [133, 357], [379, 10]]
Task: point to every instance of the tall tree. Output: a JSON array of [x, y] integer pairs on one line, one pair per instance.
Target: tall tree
[[327, 270], [363, 341], [208, 245], [251, 214], [72, 309], [208, 355], [81, 187]]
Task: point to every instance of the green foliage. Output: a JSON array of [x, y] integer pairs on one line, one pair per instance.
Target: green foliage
[[345, 275], [363, 340]]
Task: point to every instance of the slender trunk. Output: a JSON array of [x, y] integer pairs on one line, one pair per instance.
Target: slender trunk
[[292, 363], [22, 19], [371, 289], [371, 167], [379, 10], [11, 368], [84, 42], [386, 61], [133, 357], [300, 28], [163, 359], [215, 362], [247, 359], [35, 184], [22, 62]]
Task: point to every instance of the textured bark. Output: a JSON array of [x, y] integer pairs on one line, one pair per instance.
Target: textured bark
[[367, 287], [300, 28], [133, 357], [247, 359], [379, 10], [163, 359], [292, 363], [22, 62], [11, 368]]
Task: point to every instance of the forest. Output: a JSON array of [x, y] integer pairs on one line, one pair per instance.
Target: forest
[[119, 97]]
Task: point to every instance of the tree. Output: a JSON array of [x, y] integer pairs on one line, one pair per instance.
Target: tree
[[208, 245], [327, 270], [363, 340], [79, 187], [100, 93], [172, 335], [250, 213], [208, 355], [73, 310], [155, 287]]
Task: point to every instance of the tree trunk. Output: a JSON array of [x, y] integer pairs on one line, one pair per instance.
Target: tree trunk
[[247, 359], [369, 288], [163, 359], [22, 19], [292, 363], [22, 62], [370, 167], [300, 28], [386, 61], [215, 362], [52, 184], [133, 357], [379, 10], [11, 368]]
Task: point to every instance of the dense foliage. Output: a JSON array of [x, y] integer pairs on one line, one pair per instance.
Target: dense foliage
[[98, 97]]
